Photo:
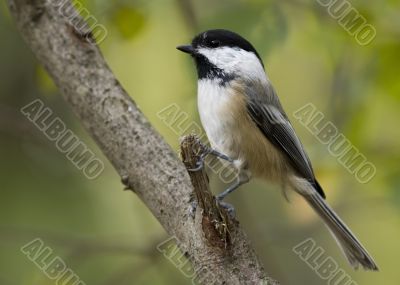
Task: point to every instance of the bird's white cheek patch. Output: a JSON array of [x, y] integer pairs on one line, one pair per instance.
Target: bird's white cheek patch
[[235, 61]]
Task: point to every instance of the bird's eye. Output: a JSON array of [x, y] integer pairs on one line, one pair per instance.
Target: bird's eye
[[215, 43]]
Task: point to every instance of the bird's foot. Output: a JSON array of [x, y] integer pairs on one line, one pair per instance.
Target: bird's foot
[[207, 151], [228, 207], [199, 164]]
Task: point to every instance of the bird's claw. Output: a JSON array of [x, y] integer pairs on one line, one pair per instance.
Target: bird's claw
[[199, 165], [202, 158], [228, 207], [207, 151]]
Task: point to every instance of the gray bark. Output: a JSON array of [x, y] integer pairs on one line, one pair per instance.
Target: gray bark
[[139, 154]]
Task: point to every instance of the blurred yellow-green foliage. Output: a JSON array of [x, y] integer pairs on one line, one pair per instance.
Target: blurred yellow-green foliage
[[107, 236]]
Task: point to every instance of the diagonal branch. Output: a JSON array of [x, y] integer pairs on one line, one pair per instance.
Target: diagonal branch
[[138, 153]]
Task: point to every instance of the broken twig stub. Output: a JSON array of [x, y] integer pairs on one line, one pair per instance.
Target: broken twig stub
[[215, 220]]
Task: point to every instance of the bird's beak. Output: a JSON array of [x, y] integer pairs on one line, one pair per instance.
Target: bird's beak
[[186, 49]]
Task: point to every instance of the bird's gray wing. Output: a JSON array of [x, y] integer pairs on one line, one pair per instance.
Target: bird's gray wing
[[273, 123]]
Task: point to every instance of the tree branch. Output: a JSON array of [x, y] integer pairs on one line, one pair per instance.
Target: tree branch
[[138, 153]]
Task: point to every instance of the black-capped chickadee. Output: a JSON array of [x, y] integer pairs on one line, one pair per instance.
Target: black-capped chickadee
[[246, 124]]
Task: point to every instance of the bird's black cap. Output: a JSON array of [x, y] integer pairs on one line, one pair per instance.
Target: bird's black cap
[[218, 38]]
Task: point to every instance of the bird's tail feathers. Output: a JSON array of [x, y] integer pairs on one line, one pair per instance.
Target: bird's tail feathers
[[355, 253]]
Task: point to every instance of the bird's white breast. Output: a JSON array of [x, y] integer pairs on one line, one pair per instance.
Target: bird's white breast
[[213, 101]]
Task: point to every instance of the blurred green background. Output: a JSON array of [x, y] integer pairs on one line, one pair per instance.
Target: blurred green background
[[107, 236]]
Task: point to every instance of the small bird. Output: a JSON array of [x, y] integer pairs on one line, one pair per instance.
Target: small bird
[[246, 125]]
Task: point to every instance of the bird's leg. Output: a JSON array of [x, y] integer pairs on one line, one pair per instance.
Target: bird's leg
[[243, 177], [207, 151]]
